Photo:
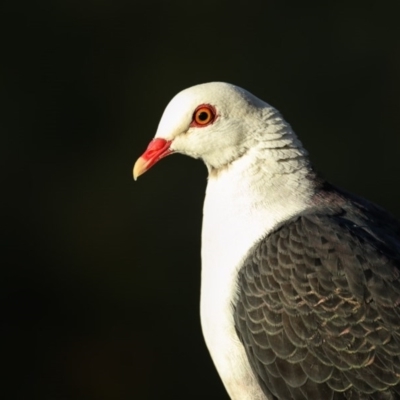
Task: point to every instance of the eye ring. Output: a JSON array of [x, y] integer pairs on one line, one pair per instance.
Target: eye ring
[[203, 115]]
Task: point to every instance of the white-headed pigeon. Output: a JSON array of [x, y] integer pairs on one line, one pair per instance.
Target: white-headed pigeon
[[300, 291]]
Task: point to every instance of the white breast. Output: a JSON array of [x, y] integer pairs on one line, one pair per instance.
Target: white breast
[[242, 205]]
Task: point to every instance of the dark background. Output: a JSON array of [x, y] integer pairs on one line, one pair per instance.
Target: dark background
[[100, 275]]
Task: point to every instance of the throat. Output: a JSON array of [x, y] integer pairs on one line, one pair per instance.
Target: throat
[[247, 201]]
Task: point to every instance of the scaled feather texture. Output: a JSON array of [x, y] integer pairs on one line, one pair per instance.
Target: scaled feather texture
[[300, 295]]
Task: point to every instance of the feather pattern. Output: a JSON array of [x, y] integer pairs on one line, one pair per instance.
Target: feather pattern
[[318, 304]]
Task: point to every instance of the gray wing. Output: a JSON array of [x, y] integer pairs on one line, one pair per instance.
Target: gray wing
[[318, 310]]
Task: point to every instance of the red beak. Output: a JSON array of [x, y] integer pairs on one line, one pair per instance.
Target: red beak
[[157, 149]]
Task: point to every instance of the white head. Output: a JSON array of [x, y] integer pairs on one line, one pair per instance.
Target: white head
[[217, 122]]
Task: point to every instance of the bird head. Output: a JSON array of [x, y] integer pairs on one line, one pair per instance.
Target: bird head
[[211, 121]]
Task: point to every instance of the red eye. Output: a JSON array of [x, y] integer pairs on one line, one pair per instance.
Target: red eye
[[203, 115]]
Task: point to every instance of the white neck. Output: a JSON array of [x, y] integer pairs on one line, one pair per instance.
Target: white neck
[[243, 203]]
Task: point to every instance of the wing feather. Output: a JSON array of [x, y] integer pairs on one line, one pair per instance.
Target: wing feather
[[318, 308]]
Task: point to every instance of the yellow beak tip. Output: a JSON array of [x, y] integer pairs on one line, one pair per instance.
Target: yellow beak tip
[[139, 168]]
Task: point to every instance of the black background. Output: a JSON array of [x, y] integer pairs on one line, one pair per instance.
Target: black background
[[100, 275]]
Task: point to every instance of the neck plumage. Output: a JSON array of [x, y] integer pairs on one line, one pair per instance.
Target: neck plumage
[[268, 184]]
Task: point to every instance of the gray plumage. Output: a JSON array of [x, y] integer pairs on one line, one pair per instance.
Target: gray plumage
[[318, 306]]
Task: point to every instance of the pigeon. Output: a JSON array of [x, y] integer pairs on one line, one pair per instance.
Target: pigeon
[[300, 280]]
